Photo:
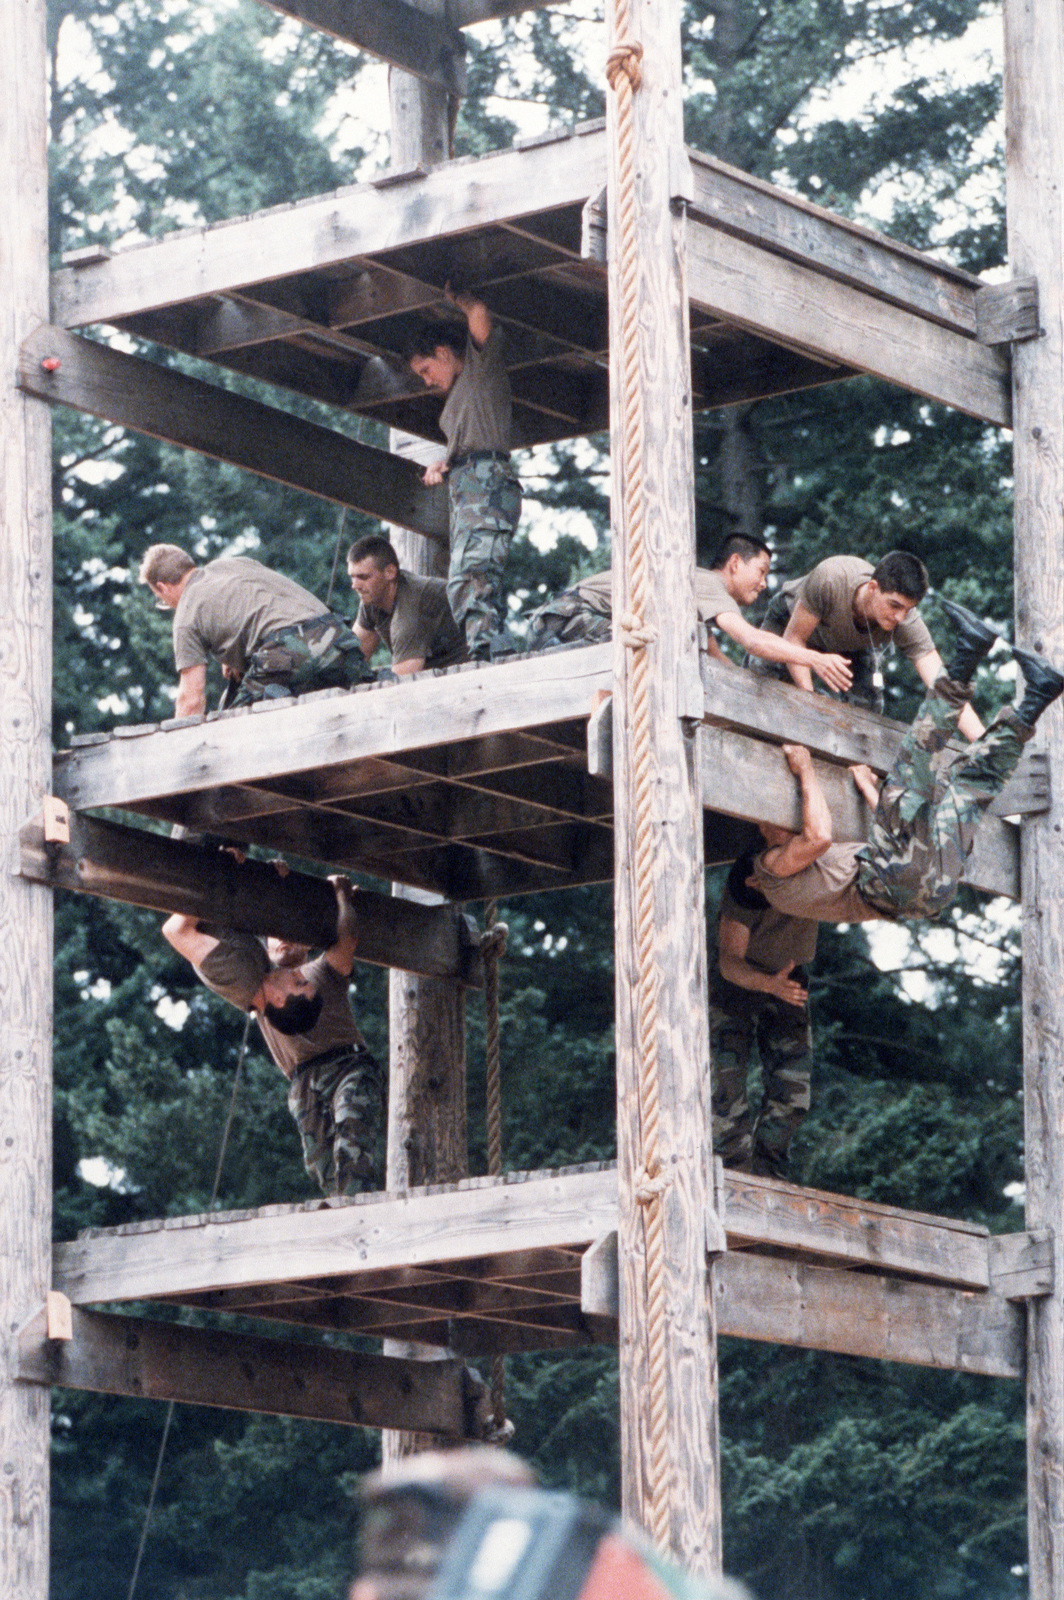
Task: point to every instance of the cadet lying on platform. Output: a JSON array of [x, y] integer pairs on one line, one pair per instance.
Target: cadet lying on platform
[[846, 605], [410, 615], [483, 492], [926, 814], [304, 1014], [272, 637], [583, 614]]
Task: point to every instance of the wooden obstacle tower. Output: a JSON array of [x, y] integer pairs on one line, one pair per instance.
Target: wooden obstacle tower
[[486, 782]]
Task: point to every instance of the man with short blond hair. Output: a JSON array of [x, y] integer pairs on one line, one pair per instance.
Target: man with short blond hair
[[273, 637]]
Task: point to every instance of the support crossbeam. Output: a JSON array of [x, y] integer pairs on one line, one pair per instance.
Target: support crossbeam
[[168, 875], [198, 1366], [170, 405]]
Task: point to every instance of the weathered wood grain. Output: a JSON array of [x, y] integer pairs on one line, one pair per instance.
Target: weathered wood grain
[[1034, 119], [819, 1308], [150, 1360], [170, 405], [371, 722], [835, 322], [25, 715], [329, 231], [741, 204], [168, 875], [421, 1228], [665, 892], [403, 35], [807, 1222]]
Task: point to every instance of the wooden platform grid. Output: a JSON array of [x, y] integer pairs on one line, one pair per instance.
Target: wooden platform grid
[[493, 1265], [490, 781], [320, 297]]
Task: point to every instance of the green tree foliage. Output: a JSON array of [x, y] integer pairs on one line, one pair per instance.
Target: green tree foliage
[[844, 1480]]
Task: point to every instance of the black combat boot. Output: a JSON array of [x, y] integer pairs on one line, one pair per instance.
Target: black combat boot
[[972, 640], [1042, 684]]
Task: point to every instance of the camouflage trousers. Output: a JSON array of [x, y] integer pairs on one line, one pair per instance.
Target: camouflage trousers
[[862, 692], [321, 653], [931, 805], [485, 503], [568, 620], [756, 1137], [337, 1100]]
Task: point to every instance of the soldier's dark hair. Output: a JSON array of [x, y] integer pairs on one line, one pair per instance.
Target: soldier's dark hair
[[904, 574], [373, 547], [298, 1014], [741, 545], [427, 338]]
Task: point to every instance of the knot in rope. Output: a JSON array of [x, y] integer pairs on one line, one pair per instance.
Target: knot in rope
[[635, 633], [493, 941], [649, 1184], [625, 60]]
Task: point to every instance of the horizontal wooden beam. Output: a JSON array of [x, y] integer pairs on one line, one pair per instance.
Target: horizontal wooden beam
[[838, 249], [858, 1233], [813, 1307], [166, 404], [400, 34], [483, 1229], [326, 730], [169, 875], [207, 1367], [863, 1314], [790, 301], [331, 230], [416, 1228]]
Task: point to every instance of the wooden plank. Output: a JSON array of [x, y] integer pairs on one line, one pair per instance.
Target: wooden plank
[[858, 1314], [242, 1372], [231, 748], [168, 875], [166, 404], [402, 35], [25, 716], [1034, 159], [741, 775], [417, 1229], [789, 301], [780, 1216], [329, 231], [749, 208]]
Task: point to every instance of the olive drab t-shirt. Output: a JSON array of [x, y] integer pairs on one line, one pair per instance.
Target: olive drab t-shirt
[[711, 596], [420, 625], [235, 968], [775, 936], [477, 412], [828, 593], [229, 606], [826, 891]]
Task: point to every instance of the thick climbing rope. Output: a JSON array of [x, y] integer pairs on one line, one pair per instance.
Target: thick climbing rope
[[493, 943], [625, 75], [149, 1509]]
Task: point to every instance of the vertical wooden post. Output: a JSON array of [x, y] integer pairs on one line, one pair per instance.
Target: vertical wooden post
[[25, 768], [1034, 120], [659, 902], [427, 1139]]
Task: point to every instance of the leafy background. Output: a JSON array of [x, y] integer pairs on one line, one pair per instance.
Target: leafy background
[[843, 1479]]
